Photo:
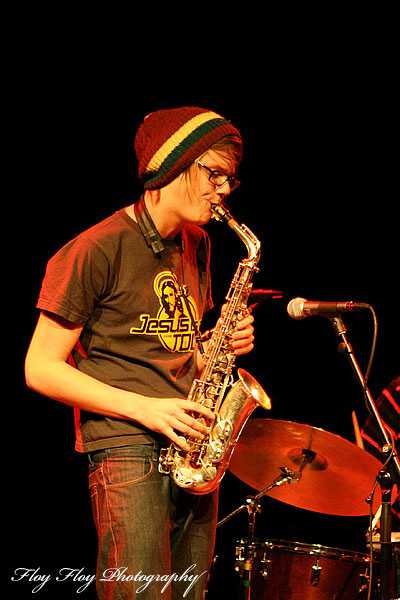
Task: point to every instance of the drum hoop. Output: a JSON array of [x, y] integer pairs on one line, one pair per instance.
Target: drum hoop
[[313, 550]]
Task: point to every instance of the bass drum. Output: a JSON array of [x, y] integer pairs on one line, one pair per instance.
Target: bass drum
[[295, 571]]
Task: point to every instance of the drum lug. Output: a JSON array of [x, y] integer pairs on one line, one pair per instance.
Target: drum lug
[[315, 574], [264, 566]]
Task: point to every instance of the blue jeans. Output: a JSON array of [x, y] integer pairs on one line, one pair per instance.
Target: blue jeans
[[155, 539]]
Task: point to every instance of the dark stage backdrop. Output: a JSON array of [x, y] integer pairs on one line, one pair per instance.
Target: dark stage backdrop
[[318, 107]]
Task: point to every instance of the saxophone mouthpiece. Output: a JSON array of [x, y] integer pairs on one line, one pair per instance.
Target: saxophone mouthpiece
[[222, 214]]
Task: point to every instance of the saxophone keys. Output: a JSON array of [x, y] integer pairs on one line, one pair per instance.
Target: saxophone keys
[[211, 392]]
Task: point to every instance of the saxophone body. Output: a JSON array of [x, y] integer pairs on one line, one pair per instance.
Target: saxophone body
[[201, 469]]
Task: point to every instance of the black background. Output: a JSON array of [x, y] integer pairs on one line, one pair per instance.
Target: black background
[[316, 101]]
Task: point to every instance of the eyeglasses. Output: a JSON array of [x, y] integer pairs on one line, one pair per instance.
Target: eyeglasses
[[217, 178]]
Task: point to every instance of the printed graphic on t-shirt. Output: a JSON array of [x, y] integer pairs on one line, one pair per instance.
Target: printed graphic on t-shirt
[[172, 324]]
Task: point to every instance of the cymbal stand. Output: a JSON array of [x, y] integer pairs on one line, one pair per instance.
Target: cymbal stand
[[384, 478], [253, 506]]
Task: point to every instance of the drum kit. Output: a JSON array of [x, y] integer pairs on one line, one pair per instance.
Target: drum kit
[[311, 469]]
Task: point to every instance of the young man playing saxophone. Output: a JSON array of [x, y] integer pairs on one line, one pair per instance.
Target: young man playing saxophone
[[103, 302]]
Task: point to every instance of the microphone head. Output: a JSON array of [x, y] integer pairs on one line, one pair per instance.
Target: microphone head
[[295, 308]]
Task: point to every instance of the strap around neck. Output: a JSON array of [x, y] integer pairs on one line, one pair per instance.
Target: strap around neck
[[147, 227]]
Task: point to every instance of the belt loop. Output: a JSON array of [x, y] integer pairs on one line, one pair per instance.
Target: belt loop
[[156, 451]]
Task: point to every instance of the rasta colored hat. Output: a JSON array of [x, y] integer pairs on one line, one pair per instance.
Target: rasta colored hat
[[169, 140]]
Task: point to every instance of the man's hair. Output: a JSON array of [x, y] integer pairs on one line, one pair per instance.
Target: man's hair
[[232, 145]]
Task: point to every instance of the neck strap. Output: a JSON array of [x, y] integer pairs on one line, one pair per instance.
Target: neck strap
[[147, 227], [154, 240]]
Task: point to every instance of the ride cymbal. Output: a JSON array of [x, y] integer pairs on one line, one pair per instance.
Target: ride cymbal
[[331, 475]]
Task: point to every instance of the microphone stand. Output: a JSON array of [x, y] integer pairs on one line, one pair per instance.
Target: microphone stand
[[384, 478]]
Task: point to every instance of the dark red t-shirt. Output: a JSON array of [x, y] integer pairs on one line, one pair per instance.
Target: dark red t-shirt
[[138, 335]]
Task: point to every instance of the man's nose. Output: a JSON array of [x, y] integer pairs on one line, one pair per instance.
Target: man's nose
[[224, 189]]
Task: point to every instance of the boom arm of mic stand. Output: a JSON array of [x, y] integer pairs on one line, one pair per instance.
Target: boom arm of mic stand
[[340, 331]]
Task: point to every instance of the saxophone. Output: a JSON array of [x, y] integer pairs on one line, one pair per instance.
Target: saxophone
[[201, 469]]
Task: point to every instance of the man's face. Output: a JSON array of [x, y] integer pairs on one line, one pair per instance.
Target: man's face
[[169, 298], [195, 201]]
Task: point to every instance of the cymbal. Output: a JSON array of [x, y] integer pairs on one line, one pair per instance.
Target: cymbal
[[332, 475]]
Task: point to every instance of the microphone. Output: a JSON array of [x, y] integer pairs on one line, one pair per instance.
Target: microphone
[[299, 308]]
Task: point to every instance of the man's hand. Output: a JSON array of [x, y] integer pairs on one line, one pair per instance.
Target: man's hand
[[170, 417], [243, 336]]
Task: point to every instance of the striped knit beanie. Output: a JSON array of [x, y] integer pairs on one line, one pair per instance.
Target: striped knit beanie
[[168, 141]]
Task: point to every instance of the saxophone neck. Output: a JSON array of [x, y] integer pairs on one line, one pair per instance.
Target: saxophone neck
[[252, 243]]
